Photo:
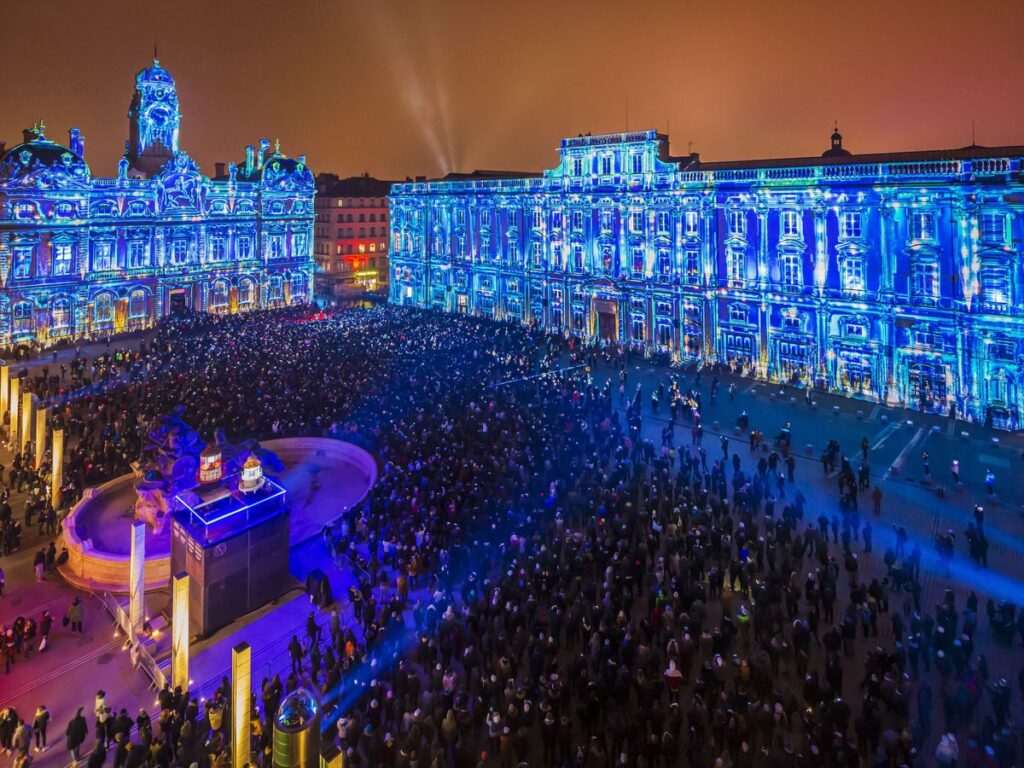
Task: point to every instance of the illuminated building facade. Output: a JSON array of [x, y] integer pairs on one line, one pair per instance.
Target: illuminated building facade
[[83, 256], [350, 245], [895, 277]]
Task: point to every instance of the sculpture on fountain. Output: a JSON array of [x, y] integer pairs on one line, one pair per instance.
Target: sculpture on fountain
[[168, 468], [171, 463]]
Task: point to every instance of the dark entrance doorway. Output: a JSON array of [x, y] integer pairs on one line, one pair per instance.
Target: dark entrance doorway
[[608, 326], [177, 302]]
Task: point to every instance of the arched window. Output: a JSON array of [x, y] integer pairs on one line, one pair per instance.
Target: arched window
[[103, 309], [60, 314], [275, 288], [137, 304], [245, 292], [298, 283], [219, 295], [22, 317]]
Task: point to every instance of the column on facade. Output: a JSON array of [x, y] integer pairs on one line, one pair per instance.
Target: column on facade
[[885, 242], [762, 244], [709, 277]]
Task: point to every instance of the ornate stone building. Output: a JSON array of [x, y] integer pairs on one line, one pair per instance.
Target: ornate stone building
[[82, 255], [892, 276]]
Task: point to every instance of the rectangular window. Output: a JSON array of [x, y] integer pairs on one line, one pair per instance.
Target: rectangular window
[[22, 263], [663, 222], [736, 266], [538, 218], [276, 247], [138, 254], [62, 258], [606, 221], [577, 220], [853, 273], [606, 165], [790, 224], [922, 226], [739, 314], [244, 247], [737, 223], [102, 257], [638, 262], [791, 270], [537, 251], [993, 228], [692, 226], [577, 257], [850, 225], [925, 281], [995, 284], [636, 221], [693, 266], [179, 251], [637, 162], [664, 262], [556, 219], [577, 166], [218, 247]]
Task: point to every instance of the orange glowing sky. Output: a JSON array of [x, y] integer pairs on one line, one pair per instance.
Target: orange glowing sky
[[406, 87]]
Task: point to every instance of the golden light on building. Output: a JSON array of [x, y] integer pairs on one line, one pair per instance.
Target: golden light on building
[[241, 688], [179, 631]]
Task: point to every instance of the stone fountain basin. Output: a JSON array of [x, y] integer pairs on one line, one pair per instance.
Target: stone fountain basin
[[323, 477]]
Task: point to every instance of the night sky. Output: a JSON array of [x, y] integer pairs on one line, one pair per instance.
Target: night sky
[[427, 86]]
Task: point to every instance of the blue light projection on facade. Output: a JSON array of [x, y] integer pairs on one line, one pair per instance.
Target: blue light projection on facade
[[83, 256], [894, 277]]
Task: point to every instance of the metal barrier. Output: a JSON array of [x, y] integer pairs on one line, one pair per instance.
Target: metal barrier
[[140, 655]]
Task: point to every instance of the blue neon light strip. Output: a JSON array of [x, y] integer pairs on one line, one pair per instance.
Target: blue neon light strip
[[278, 493]]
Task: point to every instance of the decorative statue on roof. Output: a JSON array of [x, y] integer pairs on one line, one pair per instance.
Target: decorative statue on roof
[[168, 468]]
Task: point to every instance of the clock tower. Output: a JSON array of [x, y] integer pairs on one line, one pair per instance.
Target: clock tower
[[153, 122]]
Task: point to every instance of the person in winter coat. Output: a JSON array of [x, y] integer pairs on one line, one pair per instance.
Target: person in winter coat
[[76, 733], [39, 723]]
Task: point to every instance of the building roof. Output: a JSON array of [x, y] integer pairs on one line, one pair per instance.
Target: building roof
[[329, 185], [486, 174], [963, 153]]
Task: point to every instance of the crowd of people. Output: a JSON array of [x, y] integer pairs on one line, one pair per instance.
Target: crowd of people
[[547, 581]]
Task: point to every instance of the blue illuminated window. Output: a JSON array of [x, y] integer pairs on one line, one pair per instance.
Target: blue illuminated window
[[22, 262], [663, 222], [537, 251], [791, 270], [637, 162], [137, 304], [577, 257], [60, 314], [737, 223], [275, 288], [556, 219], [691, 224], [852, 273], [138, 254], [23, 317], [995, 284], [538, 218], [738, 313], [179, 251], [243, 246], [606, 165], [922, 226], [277, 246], [577, 166], [103, 309], [924, 280], [736, 267], [63, 257], [102, 256], [693, 266], [790, 224], [664, 262], [638, 261], [993, 228], [850, 225], [608, 259], [636, 221], [218, 247], [299, 284], [219, 295]]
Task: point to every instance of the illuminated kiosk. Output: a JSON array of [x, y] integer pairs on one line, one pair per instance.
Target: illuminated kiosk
[[230, 535], [297, 731]]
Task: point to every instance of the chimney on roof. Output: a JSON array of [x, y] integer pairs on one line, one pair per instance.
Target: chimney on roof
[[264, 148], [250, 151], [218, 170], [76, 142]]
